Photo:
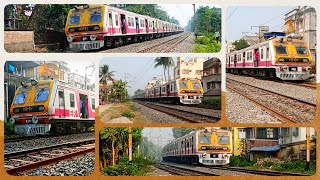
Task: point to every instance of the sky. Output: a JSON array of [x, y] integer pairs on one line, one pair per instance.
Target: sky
[[159, 136], [79, 67], [182, 12], [240, 19], [138, 70]]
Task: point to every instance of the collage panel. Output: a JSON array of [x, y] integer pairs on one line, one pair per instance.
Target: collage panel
[[49, 118], [207, 151], [271, 68], [113, 28], [160, 90]]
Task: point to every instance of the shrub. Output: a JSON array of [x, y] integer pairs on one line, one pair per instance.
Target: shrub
[[240, 161], [8, 128], [212, 102], [267, 164], [128, 114]]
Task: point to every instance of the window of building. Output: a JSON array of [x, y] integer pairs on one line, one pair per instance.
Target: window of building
[[198, 72], [241, 133]]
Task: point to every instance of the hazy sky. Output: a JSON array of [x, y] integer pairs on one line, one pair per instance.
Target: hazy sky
[[182, 12], [159, 136], [139, 70], [240, 19], [79, 67]]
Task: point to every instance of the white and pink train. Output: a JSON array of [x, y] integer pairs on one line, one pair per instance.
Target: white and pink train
[[96, 26], [183, 90], [283, 58], [51, 105]]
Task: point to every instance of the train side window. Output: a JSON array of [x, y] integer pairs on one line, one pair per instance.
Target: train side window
[[72, 104], [261, 53], [110, 19], [93, 105], [117, 19], [267, 53]]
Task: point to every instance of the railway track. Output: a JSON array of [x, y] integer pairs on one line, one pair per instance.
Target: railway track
[[165, 46], [306, 85], [286, 108], [258, 172], [23, 161], [182, 171], [182, 114]]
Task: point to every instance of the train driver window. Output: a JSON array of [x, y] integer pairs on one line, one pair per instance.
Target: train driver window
[[72, 104], [74, 19], [301, 50], [196, 85], [183, 84], [281, 49], [21, 98], [223, 140], [41, 95], [204, 139], [95, 16]]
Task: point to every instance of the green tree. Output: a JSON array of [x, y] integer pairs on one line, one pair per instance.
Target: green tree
[[105, 75], [241, 44], [166, 63], [118, 90], [179, 132]]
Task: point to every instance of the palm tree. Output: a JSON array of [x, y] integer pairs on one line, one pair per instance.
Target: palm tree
[[105, 75], [110, 135], [166, 63]]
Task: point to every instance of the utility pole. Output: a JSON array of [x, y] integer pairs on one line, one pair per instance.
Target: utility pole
[[85, 77], [264, 28], [194, 20], [130, 144], [307, 149]]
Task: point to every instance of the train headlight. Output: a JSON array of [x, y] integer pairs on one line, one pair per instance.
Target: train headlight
[[16, 110], [35, 119], [305, 60], [41, 108], [96, 27], [71, 30], [12, 120], [70, 39], [225, 148], [281, 60], [204, 155], [93, 37]]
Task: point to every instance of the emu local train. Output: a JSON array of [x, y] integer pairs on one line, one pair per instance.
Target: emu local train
[[209, 146], [283, 58], [182, 90], [96, 26], [51, 105]]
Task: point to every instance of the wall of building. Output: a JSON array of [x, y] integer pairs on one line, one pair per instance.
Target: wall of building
[[17, 41], [188, 69]]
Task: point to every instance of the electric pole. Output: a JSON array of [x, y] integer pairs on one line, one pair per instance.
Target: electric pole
[[261, 28], [194, 20], [308, 148], [130, 144]]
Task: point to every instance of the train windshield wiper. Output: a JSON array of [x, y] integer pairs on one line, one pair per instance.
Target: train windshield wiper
[[39, 94]]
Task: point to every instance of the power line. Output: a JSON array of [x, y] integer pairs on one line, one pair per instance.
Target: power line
[[232, 13]]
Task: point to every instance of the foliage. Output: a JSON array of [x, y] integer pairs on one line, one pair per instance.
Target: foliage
[[149, 150], [105, 74], [212, 102], [293, 166], [137, 167], [243, 146], [119, 91], [166, 63], [152, 10], [8, 128], [240, 161], [179, 132], [241, 44], [206, 43], [208, 20], [128, 114]]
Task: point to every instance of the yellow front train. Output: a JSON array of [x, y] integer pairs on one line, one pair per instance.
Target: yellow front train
[[209, 146]]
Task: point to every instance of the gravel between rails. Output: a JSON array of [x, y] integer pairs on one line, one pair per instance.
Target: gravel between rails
[[77, 166], [214, 171], [42, 142], [295, 110], [209, 112], [153, 116], [291, 90], [185, 46], [136, 47], [241, 110]]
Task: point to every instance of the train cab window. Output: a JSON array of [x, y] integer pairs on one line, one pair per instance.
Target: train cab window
[[116, 17], [95, 16], [196, 85], [223, 140], [20, 98], [74, 19], [41, 95], [183, 84], [281, 49], [204, 139], [72, 104], [301, 50]]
